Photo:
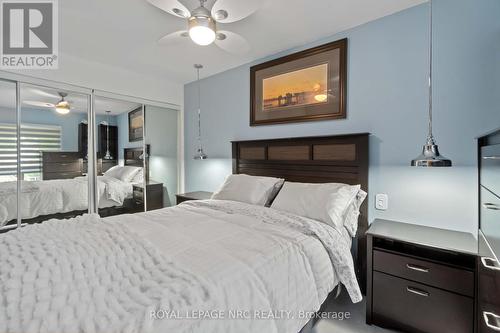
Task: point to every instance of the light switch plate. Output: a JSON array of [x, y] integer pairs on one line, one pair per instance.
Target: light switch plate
[[381, 201]]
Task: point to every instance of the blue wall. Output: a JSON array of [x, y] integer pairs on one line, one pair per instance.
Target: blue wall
[[387, 96], [161, 135], [69, 122]]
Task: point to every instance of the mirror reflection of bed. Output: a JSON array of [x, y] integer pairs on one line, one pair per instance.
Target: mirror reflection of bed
[[54, 158]]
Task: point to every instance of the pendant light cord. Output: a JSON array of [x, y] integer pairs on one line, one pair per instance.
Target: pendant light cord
[[107, 133], [199, 107], [430, 137]]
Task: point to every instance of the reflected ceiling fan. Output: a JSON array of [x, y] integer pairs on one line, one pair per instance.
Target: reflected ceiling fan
[[61, 107], [202, 22]]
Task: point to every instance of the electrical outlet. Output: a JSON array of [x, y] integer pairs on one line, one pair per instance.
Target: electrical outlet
[[381, 201]]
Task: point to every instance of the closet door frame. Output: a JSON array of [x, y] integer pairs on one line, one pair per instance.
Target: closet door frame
[[16, 87], [21, 80]]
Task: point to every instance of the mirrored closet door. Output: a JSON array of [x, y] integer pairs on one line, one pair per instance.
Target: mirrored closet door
[[52, 157], [161, 133], [8, 155], [120, 155]]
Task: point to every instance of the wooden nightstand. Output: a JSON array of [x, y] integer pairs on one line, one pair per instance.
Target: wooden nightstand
[[420, 279], [154, 195], [199, 195]]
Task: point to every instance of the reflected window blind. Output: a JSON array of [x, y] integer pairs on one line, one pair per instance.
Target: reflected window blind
[[35, 138]]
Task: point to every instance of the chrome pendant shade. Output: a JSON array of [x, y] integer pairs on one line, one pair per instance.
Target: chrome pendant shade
[[430, 156], [200, 154]]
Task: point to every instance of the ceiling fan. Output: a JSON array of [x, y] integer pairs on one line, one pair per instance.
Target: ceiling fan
[[202, 23], [61, 107]]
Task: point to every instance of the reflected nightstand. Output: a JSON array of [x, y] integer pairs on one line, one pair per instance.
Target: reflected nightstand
[[199, 195], [154, 193]]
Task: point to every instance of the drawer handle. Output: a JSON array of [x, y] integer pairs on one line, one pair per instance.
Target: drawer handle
[[492, 206], [490, 263], [491, 157], [494, 318], [418, 292], [417, 268]]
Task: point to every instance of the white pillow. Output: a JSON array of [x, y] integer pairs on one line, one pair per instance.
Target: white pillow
[[124, 173], [254, 190], [113, 172], [325, 202], [139, 177]]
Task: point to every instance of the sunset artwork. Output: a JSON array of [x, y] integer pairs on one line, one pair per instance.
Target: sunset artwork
[[298, 88], [304, 86], [135, 125]]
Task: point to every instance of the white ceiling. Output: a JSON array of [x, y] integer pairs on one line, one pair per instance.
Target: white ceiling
[[124, 33], [78, 102]]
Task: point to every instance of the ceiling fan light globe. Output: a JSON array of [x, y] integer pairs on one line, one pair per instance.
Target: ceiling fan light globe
[[63, 107], [202, 35], [202, 30], [62, 110]]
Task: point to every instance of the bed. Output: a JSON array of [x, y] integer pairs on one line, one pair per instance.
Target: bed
[[60, 198], [47, 197], [202, 266]]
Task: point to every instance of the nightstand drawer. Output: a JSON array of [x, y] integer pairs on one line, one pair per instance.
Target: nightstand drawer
[[445, 277], [60, 175], [415, 307], [73, 166]]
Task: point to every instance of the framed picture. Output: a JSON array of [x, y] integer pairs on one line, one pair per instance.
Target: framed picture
[[135, 125], [304, 86]]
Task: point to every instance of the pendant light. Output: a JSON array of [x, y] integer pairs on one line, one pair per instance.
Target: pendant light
[[430, 156], [107, 156], [200, 155]]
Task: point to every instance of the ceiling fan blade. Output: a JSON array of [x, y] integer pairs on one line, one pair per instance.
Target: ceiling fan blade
[[173, 7], [232, 42], [174, 37], [39, 104], [227, 11]]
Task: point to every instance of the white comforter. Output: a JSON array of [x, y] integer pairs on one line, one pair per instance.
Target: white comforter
[[59, 196], [188, 268]]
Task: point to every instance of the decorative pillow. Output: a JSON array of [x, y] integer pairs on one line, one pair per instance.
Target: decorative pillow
[[326, 202], [352, 213], [123, 173], [250, 189], [277, 187]]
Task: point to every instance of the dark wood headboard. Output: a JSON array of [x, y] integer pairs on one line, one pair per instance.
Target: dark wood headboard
[[132, 156], [321, 159]]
